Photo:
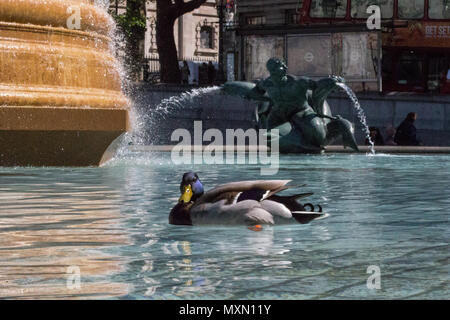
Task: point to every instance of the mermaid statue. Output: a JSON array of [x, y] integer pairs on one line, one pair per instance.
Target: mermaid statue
[[297, 107]]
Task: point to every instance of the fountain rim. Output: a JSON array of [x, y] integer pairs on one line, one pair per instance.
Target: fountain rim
[[55, 30]]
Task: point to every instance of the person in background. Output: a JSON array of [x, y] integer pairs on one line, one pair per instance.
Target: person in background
[[406, 132], [445, 81], [203, 74], [375, 136], [390, 136], [185, 73], [146, 73], [211, 73]]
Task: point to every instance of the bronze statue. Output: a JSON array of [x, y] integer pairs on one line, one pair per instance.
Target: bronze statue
[[296, 106]]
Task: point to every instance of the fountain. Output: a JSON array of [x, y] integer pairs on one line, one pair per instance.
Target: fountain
[[361, 115], [61, 102], [297, 107]]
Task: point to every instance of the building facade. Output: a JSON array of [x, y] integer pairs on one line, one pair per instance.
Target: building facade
[[409, 50], [265, 28], [196, 34]]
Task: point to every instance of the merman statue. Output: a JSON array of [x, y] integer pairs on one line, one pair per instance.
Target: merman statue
[[297, 107]]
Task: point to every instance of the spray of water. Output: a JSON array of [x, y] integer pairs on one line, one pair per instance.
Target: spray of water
[[104, 4], [158, 115], [118, 48], [174, 103], [360, 114], [151, 117]]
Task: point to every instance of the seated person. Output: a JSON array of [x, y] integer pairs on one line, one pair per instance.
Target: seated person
[[390, 136], [406, 132]]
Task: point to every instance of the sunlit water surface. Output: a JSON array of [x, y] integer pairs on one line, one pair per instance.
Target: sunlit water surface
[[110, 223]]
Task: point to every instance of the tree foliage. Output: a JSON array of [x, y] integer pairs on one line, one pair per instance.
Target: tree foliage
[[133, 25], [133, 20]]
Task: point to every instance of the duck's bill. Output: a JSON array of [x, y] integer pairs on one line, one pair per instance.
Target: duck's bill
[[187, 194]]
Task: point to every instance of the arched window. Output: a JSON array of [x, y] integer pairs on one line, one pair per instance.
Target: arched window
[[206, 37]]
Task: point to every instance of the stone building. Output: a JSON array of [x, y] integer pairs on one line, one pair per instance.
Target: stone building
[[262, 29], [376, 45], [196, 34]]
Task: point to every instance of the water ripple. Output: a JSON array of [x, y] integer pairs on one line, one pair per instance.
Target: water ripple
[[111, 223]]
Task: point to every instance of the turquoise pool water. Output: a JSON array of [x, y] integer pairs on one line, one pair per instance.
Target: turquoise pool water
[[110, 224]]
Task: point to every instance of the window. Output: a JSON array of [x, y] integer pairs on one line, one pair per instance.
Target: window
[[328, 8], [255, 20], [386, 65], [411, 9], [439, 9], [410, 69], [206, 37], [293, 17], [437, 71], [359, 8]]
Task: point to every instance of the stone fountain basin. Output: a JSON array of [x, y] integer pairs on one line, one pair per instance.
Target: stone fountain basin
[[61, 102]]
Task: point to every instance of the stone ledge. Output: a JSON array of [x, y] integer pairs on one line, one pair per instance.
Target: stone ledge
[[329, 149], [392, 149]]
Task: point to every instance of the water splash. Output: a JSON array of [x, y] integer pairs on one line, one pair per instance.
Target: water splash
[[104, 4], [169, 105], [154, 117], [118, 47], [360, 114]]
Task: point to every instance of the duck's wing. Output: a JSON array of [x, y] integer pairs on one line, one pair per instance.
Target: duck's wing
[[248, 212], [250, 202], [244, 190]]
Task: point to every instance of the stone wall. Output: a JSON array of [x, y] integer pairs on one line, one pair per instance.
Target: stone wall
[[215, 110], [222, 112], [433, 122]]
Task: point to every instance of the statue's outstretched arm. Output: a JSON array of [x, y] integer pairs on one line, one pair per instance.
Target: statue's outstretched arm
[[320, 93], [247, 90]]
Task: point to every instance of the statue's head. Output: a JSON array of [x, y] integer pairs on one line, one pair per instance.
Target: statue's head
[[276, 67]]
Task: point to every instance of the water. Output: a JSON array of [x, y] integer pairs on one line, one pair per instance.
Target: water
[[111, 223], [360, 114], [153, 117]]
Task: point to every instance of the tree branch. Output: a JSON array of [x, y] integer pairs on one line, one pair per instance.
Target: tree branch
[[165, 9], [182, 7]]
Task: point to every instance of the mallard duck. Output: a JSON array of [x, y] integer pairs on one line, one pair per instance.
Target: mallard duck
[[250, 203]]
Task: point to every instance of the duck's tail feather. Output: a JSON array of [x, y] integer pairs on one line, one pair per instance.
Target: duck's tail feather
[[304, 217], [273, 192], [301, 195], [299, 211], [290, 201], [311, 206]]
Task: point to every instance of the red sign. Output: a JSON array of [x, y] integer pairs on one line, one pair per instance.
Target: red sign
[[419, 34]]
